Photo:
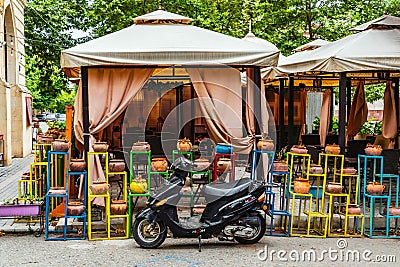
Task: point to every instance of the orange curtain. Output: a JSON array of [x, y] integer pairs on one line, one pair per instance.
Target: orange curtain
[[303, 111], [358, 111], [110, 90], [390, 120], [325, 116]]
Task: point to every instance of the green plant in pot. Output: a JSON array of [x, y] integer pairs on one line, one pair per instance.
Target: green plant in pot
[[378, 128], [315, 125], [366, 129]]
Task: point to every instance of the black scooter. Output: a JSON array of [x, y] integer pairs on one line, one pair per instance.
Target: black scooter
[[230, 212]]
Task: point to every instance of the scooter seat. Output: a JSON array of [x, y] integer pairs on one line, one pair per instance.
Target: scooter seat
[[212, 191]]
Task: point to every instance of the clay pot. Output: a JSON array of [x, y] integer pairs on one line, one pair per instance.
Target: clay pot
[[201, 164], [224, 148], [26, 176], [349, 170], [395, 211], [57, 191], [280, 166], [353, 209], [45, 139], [140, 146], [138, 186], [75, 208], [302, 186], [332, 149], [375, 188], [118, 207], [184, 145], [100, 147], [316, 169], [199, 209], [334, 188], [298, 149], [61, 145], [265, 145], [224, 164], [77, 165], [373, 150], [99, 187], [159, 165], [116, 165]]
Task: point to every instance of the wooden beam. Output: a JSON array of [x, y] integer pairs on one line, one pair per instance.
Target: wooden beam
[[85, 109], [342, 111]]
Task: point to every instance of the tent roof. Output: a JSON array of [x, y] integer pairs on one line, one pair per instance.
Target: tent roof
[[375, 49], [254, 39], [385, 20], [161, 16], [311, 45], [163, 39]]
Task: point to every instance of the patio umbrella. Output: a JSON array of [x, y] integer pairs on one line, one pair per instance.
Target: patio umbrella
[[376, 48], [358, 111], [311, 45]]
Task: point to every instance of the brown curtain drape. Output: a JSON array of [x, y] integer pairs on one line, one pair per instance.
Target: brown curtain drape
[[358, 111], [303, 111], [110, 90], [325, 116], [219, 95], [390, 118]]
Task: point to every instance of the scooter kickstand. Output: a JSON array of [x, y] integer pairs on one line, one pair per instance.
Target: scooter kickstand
[[199, 243]]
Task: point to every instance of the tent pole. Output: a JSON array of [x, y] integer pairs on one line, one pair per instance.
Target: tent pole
[[192, 113], [257, 100], [348, 98], [282, 142], [85, 104], [332, 111], [342, 111], [291, 138]]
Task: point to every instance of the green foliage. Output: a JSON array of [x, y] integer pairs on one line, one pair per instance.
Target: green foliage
[[378, 128], [285, 23], [316, 122], [61, 125], [368, 127], [48, 25], [335, 125]]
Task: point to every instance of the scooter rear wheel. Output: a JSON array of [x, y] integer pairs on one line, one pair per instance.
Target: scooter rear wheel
[[260, 231], [146, 235]]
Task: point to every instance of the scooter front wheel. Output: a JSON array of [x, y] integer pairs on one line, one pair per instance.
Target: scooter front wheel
[[149, 235], [259, 232]]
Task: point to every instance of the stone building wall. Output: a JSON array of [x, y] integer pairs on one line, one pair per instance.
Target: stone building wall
[[13, 92]]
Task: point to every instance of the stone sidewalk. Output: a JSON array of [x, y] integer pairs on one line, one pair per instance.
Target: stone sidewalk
[[9, 175]]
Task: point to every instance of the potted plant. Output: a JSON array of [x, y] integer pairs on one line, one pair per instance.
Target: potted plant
[[378, 128], [315, 125], [366, 129]]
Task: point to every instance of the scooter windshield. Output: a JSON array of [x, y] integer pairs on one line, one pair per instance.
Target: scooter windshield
[[168, 190]]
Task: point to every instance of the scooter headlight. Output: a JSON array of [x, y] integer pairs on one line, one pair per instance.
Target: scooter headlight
[[161, 202]]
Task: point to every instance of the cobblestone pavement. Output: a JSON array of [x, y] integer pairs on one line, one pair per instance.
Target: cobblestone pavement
[[9, 175], [31, 251]]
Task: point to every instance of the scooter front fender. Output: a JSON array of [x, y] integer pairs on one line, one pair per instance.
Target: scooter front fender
[[147, 213]]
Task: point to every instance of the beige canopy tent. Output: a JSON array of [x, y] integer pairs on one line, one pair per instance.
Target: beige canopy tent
[[162, 38], [372, 53]]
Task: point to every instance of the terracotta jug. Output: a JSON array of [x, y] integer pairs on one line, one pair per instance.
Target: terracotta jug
[[265, 145], [159, 165], [184, 145], [302, 186]]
